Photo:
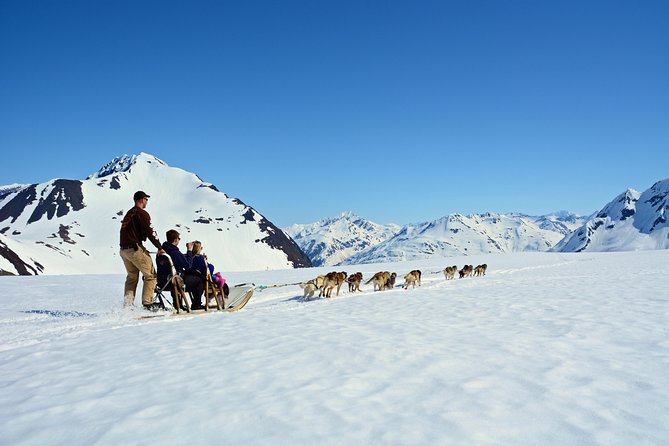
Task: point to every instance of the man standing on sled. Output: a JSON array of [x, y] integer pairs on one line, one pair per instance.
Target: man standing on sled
[[135, 228]]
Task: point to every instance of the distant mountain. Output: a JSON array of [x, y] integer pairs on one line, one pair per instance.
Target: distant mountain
[[333, 240], [342, 241], [458, 234], [632, 221], [72, 226]]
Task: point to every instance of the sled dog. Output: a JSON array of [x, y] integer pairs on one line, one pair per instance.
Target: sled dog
[[309, 289], [319, 282], [411, 279], [450, 271], [466, 271], [380, 280], [391, 281], [480, 270], [332, 280], [354, 282]]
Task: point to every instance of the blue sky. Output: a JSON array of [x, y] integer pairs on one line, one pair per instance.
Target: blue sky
[[398, 111]]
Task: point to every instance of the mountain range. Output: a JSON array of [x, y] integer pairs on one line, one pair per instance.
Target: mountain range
[[333, 241], [350, 239], [68, 226], [631, 221]]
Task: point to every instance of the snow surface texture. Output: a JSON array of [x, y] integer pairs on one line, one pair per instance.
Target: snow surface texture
[[546, 349]]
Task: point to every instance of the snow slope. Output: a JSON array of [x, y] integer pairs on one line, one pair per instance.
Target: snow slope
[[72, 226], [546, 349], [632, 221], [333, 240], [350, 239], [458, 234]]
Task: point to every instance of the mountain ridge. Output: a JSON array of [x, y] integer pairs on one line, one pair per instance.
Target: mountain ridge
[[72, 226], [631, 221], [454, 234]]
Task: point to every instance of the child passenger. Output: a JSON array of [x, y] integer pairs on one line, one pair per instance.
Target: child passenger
[[200, 264]]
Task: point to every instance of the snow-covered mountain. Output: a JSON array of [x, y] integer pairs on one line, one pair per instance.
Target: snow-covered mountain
[[632, 221], [71, 226], [337, 241], [458, 234], [331, 241]]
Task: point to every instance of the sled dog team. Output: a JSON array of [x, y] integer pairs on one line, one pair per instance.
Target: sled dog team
[[466, 271], [383, 280]]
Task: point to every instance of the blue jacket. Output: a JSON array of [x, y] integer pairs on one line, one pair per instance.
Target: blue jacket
[[199, 265], [181, 261]]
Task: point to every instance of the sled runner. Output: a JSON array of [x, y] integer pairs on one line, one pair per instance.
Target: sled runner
[[239, 296]]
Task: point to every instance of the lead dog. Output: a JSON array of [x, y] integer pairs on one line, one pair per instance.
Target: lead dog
[[480, 270], [411, 279]]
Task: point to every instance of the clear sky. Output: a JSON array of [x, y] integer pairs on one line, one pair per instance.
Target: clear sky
[[398, 111]]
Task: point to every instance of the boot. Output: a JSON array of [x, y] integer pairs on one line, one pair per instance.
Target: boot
[[153, 307], [129, 300]]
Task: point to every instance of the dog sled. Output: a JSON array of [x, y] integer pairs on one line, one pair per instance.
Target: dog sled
[[214, 298]]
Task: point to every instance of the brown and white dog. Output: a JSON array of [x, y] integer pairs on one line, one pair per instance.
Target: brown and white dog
[[309, 288], [380, 280], [466, 271], [450, 271], [411, 279], [391, 281], [331, 280], [354, 282], [319, 282], [480, 270]]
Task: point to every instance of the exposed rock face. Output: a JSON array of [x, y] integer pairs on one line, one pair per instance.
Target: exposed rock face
[[72, 226], [631, 221]]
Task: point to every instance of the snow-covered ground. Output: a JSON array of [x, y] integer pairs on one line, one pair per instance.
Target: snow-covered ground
[[546, 349]]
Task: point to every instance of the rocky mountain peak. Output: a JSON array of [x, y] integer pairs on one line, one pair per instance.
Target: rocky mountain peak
[[124, 163], [622, 207], [71, 226], [632, 221]]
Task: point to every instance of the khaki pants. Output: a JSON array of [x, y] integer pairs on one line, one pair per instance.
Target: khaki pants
[[136, 261]]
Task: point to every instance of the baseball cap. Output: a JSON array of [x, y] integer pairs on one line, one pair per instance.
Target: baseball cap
[[140, 194]]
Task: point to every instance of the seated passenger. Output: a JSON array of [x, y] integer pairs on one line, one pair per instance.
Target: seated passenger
[[183, 264], [200, 262]]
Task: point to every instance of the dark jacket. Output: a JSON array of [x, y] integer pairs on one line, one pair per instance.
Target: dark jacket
[[200, 265], [136, 227], [181, 261]]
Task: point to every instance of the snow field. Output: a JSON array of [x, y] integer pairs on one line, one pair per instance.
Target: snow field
[[548, 349]]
